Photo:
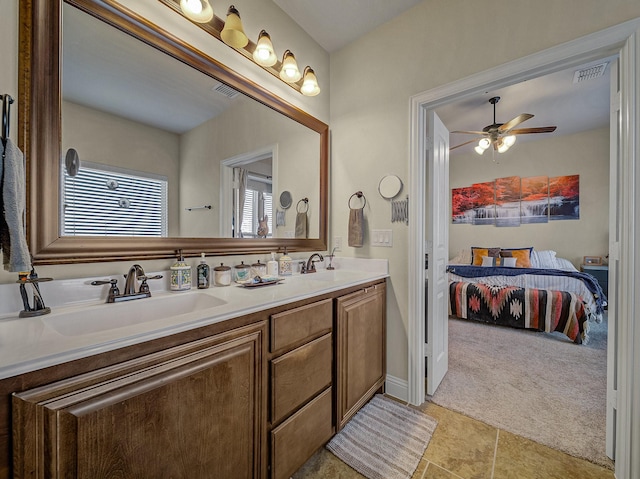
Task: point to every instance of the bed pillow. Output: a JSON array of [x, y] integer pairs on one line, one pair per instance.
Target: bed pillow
[[489, 261], [477, 254], [522, 255], [544, 259], [509, 262]]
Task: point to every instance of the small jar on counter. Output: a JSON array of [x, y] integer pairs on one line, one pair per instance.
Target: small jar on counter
[[222, 275], [258, 269], [242, 272]]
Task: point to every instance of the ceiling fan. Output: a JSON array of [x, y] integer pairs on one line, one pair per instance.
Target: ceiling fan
[[501, 135]]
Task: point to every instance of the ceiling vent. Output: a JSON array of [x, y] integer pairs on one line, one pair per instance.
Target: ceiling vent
[[590, 73], [226, 91]]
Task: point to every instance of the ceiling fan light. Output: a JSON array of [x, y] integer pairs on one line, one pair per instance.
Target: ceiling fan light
[[309, 83], [199, 11], [233, 33], [484, 143], [509, 140], [289, 71], [264, 54], [479, 150], [502, 146]]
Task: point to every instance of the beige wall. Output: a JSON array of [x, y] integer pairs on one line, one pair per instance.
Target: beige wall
[[256, 15], [252, 127], [585, 154], [138, 147], [432, 44]]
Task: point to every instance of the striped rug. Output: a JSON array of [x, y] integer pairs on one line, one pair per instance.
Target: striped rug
[[384, 440]]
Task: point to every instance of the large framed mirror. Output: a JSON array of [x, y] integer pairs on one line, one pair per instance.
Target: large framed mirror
[[194, 167]]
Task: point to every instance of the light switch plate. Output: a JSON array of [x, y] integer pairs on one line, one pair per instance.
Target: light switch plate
[[382, 238]]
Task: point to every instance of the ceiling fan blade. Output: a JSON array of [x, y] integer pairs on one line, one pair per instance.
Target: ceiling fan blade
[[465, 143], [471, 132], [515, 122], [540, 129]]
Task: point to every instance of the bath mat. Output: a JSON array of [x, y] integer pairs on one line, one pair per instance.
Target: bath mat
[[384, 440]]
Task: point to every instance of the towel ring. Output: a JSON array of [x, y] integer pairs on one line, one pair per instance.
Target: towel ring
[[359, 194], [306, 202]]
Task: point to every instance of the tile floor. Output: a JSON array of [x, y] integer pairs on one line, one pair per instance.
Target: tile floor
[[464, 448]]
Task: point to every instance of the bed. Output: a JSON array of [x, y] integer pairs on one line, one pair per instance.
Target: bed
[[535, 291]]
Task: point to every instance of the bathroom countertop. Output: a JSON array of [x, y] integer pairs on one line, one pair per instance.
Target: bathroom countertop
[[29, 344]]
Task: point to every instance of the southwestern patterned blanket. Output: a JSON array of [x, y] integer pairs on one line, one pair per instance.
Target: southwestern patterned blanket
[[525, 308]]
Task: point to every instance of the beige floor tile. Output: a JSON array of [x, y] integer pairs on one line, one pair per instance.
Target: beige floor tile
[[324, 465], [460, 444], [436, 472], [521, 458]]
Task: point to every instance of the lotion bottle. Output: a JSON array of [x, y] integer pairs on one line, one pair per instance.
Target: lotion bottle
[[272, 266], [204, 279]]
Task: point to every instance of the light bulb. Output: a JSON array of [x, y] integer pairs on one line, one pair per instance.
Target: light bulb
[[264, 54], [199, 11], [502, 147], [484, 143], [289, 72], [479, 150], [510, 140], [309, 83]]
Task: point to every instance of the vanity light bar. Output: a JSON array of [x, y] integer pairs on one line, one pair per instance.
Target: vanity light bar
[[216, 25]]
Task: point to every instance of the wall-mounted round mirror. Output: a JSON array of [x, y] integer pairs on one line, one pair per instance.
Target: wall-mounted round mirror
[[285, 200], [390, 186]]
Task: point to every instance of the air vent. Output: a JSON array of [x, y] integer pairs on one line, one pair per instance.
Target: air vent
[[590, 73], [226, 90]]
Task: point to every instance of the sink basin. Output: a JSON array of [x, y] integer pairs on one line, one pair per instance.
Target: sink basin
[[94, 319]]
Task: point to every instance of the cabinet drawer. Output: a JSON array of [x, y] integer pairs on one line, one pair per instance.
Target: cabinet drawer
[[296, 439], [296, 326], [299, 375]]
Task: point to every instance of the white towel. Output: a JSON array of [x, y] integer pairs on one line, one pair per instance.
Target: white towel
[[13, 242]]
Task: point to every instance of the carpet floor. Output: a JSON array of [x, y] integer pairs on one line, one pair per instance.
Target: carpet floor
[[538, 385]]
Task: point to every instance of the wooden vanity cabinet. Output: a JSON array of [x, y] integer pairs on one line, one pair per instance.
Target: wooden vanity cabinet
[[193, 410], [360, 349], [249, 397], [301, 377]]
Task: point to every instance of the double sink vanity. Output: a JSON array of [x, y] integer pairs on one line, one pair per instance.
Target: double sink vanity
[[224, 382]]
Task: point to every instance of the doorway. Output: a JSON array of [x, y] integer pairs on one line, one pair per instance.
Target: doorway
[[622, 40]]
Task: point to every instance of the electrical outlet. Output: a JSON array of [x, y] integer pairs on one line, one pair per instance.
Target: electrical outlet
[[337, 243]]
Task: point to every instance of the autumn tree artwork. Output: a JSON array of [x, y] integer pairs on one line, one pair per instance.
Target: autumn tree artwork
[[512, 201]]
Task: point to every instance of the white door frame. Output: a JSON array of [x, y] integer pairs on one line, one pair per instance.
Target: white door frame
[[624, 40]]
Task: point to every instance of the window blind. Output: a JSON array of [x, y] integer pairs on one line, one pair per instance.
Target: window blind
[[103, 200]]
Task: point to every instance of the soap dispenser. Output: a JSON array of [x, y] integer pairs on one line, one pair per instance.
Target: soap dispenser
[[272, 266], [284, 264], [180, 274], [204, 279]]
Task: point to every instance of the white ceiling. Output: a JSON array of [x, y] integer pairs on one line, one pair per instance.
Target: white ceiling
[[335, 23]]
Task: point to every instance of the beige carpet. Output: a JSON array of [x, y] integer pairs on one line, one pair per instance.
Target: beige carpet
[[537, 385], [384, 440]]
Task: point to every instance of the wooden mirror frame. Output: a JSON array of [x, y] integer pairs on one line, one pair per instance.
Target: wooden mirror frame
[[39, 137]]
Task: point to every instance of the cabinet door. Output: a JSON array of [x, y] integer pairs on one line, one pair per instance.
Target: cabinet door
[[198, 414], [360, 352]]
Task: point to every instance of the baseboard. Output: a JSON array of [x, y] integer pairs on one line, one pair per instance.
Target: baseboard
[[396, 387]]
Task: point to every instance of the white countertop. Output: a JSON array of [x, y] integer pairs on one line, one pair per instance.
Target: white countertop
[[29, 344]]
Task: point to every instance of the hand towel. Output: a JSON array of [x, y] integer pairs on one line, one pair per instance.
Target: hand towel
[[13, 242], [356, 227], [301, 225]]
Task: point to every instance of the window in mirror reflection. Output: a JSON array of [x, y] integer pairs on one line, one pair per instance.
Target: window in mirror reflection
[[104, 200]]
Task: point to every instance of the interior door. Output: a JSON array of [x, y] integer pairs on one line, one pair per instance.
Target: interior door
[[614, 257], [437, 249]]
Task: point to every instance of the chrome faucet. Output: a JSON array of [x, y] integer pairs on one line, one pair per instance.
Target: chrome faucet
[[310, 267], [135, 273]]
